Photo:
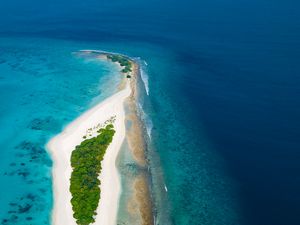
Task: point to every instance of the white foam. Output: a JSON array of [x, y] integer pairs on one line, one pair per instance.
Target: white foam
[[146, 119], [145, 79]]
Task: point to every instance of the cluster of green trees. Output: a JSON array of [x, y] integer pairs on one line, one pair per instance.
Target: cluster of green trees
[[123, 61], [86, 163]]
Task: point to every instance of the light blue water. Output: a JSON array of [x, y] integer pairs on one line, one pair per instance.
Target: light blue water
[[43, 86]]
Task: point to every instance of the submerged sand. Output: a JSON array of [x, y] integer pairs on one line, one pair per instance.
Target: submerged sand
[[140, 203]]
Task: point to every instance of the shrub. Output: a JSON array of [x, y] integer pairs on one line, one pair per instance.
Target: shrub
[[86, 164], [122, 60]]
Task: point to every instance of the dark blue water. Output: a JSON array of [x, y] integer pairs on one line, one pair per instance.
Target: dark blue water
[[224, 81]]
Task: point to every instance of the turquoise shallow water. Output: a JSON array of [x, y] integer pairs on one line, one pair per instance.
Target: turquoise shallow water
[[43, 86]]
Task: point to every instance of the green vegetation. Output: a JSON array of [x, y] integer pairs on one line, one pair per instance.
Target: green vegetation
[[122, 60], [86, 163]]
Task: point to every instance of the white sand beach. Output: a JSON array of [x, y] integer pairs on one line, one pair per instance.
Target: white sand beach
[[61, 147]]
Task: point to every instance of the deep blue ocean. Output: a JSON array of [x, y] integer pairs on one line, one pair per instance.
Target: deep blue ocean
[[224, 102]]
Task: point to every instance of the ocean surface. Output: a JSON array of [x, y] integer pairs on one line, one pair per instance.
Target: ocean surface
[[220, 98]]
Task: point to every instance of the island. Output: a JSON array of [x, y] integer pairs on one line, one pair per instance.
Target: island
[[86, 182]]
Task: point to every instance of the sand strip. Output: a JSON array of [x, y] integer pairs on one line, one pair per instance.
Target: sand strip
[[62, 146]]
